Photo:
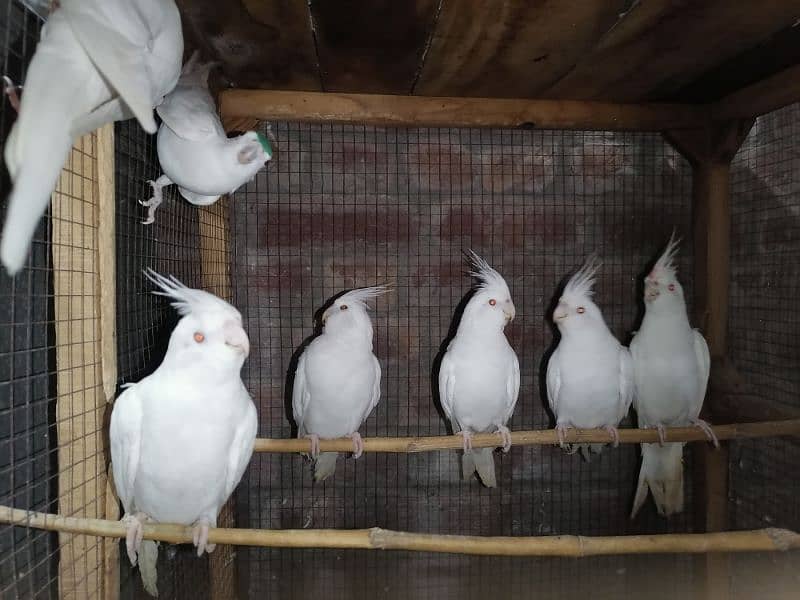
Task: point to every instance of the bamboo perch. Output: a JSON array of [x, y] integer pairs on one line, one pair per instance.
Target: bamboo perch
[[759, 540], [536, 438]]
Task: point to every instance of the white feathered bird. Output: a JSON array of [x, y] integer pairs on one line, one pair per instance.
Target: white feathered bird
[[337, 383], [590, 374], [98, 61], [671, 366], [194, 152], [479, 374], [181, 438]]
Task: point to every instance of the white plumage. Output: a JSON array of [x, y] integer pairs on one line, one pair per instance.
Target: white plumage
[[193, 150], [590, 374], [671, 366], [182, 437], [479, 373], [337, 382], [98, 61]]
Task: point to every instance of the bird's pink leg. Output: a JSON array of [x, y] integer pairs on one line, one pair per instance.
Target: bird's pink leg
[[156, 199], [314, 438], [561, 432], [200, 537], [505, 434], [10, 90], [134, 534], [358, 444], [614, 433], [662, 434], [467, 435], [706, 428]]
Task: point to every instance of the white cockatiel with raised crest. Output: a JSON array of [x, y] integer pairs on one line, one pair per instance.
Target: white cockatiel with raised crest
[[479, 374], [590, 374], [194, 152], [182, 437], [337, 383], [98, 61], [671, 365]]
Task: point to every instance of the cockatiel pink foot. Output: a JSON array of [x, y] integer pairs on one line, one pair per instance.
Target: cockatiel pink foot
[[614, 433], [157, 198], [467, 436], [561, 432], [314, 439], [662, 434], [200, 537], [705, 427], [358, 444], [134, 534], [505, 434], [10, 90]]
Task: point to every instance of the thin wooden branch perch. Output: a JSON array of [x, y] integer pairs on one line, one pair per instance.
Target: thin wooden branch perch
[[536, 438], [760, 540]]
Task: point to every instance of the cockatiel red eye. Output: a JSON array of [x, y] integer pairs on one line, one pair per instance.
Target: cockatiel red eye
[[671, 287], [581, 310], [492, 302], [199, 337]]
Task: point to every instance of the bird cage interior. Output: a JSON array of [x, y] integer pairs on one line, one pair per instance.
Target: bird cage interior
[[404, 143]]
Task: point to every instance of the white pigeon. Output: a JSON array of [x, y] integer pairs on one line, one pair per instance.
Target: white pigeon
[[337, 382], [98, 61], [193, 149], [590, 374], [181, 438], [671, 365], [479, 374]]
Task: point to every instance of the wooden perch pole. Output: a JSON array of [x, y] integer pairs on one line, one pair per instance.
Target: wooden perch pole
[[761, 540], [535, 438]]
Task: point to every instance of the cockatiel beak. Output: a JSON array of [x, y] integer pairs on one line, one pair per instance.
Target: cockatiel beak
[[510, 312], [651, 291], [560, 313], [235, 337]]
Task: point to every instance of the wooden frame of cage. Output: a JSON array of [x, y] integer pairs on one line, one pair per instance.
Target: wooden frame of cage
[[708, 136]]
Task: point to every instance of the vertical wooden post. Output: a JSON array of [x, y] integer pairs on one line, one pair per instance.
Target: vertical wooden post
[[215, 256], [83, 266], [710, 152]]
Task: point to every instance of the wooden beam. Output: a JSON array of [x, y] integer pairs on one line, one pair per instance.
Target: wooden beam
[[81, 402], [759, 540], [734, 400], [760, 98], [419, 111], [543, 437]]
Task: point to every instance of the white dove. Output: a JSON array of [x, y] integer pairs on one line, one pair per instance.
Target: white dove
[[194, 151], [181, 438], [590, 374], [337, 382], [98, 61], [671, 365], [479, 374]]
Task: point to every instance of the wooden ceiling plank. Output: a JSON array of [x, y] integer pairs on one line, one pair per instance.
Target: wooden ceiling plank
[[760, 98], [372, 46], [260, 43], [513, 48], [665, 45], [419, 111]]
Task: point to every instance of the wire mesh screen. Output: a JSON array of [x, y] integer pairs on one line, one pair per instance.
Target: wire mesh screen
[[764, 326], [347, 206]]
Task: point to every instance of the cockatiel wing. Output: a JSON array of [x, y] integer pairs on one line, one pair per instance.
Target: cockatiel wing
[[300, 395], [447, 386], [626, 382], [376, 389], [242, 447], [512, 389], [126, 439], [119, 38], [191, 114], [553, 381], [703, 367]]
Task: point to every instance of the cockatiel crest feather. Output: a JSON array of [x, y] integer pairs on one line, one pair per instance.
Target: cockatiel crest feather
[[581, 285], [486, 278], [666, 262], [363, 295], [187, 300]]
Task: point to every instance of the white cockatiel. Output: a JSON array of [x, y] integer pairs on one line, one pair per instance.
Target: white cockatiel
[[337, 383], [590, 374], [98, 61], [182, 437], [479, 374], [194, 152], [671, 365]]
